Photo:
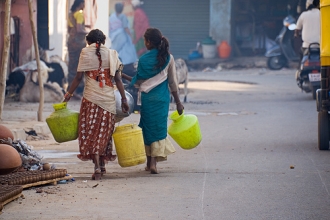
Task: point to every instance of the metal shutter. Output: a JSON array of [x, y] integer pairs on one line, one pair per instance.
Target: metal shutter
[[183, 22]]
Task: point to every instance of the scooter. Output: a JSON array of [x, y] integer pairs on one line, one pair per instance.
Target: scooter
[[283, 52], [308, 76]]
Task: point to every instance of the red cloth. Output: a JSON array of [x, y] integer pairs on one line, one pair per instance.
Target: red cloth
[[140, 24]]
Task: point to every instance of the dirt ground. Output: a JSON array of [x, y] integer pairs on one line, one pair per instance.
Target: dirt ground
[[84, 198]]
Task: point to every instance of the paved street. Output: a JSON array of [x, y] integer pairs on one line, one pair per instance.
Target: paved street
[[258, 160]]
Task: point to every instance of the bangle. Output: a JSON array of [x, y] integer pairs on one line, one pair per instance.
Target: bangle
[[123, 100], [178, 103], [68, 95]]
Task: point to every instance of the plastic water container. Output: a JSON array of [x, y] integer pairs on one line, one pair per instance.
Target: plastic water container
[[209, 48], [185, 130], [129, 145], [224, 50], [63, 123]]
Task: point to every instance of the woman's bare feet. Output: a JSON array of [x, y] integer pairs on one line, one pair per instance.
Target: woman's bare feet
[[153, 163], [97, 169], [102, 166], [147, 168]]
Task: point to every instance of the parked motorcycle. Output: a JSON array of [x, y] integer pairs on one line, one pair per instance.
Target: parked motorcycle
[[308, 76], [283, 51]]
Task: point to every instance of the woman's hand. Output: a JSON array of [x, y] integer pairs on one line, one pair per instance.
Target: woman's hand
[[124, 106], [179, 107], [67, 97]]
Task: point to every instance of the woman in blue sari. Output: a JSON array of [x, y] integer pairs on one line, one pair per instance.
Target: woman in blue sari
[[120, 36], [156, 80]]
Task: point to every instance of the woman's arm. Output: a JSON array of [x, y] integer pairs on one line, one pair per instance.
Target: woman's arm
[[120, 87], [80, 29], [129, 33], [173, 84], [127, 77], [179, 106], [77, 79]]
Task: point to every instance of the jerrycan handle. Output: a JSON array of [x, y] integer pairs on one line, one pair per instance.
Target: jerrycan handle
[[175, 117], [59, 106]]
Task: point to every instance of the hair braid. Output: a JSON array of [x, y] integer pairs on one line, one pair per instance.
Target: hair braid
[[96, 36]]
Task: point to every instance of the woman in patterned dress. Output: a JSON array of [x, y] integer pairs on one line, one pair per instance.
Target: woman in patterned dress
[[100, 66]]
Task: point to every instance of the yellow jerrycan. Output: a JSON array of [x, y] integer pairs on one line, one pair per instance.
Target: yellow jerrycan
[[129, 145], [63, 123], [185, 130]]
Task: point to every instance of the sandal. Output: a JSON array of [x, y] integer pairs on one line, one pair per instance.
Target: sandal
[[96, 175], [103, 171]]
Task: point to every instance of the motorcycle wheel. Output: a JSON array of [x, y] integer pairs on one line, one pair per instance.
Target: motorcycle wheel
[[323, 130], [276, 63]]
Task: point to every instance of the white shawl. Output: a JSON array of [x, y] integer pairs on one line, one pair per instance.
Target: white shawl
[[88, 60], [152, 82]]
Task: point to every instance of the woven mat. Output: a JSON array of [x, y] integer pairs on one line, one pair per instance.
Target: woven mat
[[26, 178], [9, 193]]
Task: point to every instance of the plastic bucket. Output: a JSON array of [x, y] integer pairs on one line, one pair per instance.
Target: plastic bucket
[[209, 50]]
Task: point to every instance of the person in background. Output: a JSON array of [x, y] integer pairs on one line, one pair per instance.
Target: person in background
[[76, 41], [140, 25], [156, 79], [121, 39], [100, 66], [308, 25]]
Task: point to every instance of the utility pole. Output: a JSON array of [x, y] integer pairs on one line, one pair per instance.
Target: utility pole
[[35, 41], [5, 56]]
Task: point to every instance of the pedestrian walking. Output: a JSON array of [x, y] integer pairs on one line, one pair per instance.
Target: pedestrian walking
[[156, 80], [121, 39], [100, 66], [140, 25], [76, 41]]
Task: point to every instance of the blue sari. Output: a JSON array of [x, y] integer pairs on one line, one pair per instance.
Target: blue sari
[[155, 103]]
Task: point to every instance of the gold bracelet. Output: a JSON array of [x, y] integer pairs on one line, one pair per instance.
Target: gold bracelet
[[68, 94]]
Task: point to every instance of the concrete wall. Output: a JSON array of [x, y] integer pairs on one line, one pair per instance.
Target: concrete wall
[[20, 9], [57, 27], [220, 20], [103, 18]]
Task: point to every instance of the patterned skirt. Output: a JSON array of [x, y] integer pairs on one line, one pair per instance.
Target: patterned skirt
[[96, 126]]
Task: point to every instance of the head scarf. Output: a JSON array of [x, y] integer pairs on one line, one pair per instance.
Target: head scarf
[[137, 3]]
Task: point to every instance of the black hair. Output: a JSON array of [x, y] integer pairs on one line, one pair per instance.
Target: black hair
[[96, 36], [75, 4], [119, 7], [158, 41], [315, 4]]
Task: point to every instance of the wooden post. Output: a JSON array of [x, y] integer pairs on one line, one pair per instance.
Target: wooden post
[[41, 84], [5, 56]]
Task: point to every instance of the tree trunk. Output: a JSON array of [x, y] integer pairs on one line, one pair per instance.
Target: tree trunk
[[5, 56], [41, 84]]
